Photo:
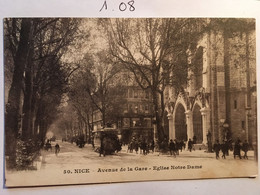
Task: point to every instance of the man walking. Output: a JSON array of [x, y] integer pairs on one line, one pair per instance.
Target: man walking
[[190, 145], [172, 148], [237, 149], [57, 149], [224, 149], [245, 147], [216, 148]]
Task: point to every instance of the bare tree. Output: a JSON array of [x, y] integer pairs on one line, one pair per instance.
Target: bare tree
[[80, 100], [154, 50], [97, 79]]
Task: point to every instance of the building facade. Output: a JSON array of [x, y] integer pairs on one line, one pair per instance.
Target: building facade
[[219, 101], [136, 120], [136, 117]]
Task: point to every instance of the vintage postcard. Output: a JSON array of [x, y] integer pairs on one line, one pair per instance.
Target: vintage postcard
[[101, 100]]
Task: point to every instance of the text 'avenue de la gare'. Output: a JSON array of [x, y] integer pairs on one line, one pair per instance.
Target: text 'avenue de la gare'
[[153, 168]]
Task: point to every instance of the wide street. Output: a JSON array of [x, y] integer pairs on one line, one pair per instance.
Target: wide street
[[83, 165], [71, 154]]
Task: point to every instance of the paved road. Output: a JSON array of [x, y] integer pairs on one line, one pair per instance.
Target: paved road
[[71, 154], [82, 165]]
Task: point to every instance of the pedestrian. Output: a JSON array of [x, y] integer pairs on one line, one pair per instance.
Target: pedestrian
[[177, 146], [130, 147], [209, 136], [237, 149], [245, 147], [172, 148], [182, 145], [216, 148], [57, 149], [163, 146], [48, 146], [152, 146], [224, 148], [136, 146], [190, 145], [143, 146], [147, 147]]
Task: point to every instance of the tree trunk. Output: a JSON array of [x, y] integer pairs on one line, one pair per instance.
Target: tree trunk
[[40, 122], [13, 105], [162, 114], [33, 113], [89, 128], [158, 118], [28, 95], [103, 112]]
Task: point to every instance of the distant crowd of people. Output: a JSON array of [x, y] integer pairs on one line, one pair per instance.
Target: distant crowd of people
[[145, 147], [142, 145], [225, 146], [173, 147]]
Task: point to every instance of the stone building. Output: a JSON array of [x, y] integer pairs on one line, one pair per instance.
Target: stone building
[[136, 117], [136, 120], [220, 96]]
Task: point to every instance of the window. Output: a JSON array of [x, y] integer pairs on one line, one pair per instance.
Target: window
[[126, 122], [243, 124], [136, 122], [135, 94], [147, 122], [235, 104], [130, 93], [125, 108], [146, 108], [125, 94], [130, 106], [141, 94], [142, 107], [136, 108]]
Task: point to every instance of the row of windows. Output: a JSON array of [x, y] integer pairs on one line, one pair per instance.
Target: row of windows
[[136, 122], [129, 108], [137, 93], [137, 108]]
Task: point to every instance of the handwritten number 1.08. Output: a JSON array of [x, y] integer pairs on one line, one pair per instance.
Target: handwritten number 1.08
[[122, 6]]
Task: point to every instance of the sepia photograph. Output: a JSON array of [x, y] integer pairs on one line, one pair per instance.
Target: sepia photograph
[[112, 100]]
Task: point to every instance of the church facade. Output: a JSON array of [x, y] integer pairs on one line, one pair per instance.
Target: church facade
[[219, 101]]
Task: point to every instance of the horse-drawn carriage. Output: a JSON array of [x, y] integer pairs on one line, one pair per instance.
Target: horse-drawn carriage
[[80, 142], [106, 141], [48, 146]]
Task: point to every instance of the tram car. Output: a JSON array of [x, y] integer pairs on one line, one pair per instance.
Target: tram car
[[106, 141]]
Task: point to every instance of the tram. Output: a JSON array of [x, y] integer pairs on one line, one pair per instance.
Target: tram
[[106, 141]]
